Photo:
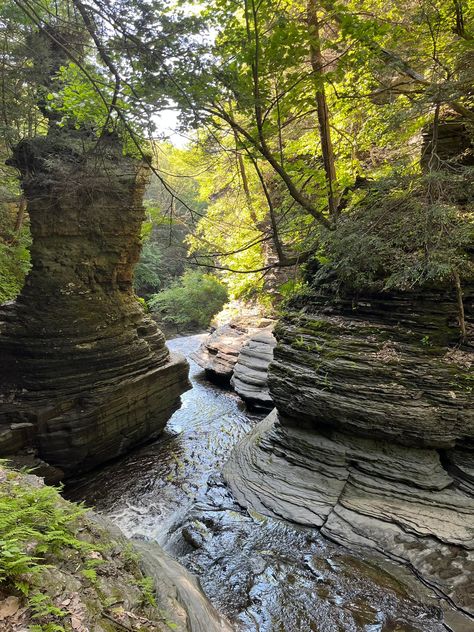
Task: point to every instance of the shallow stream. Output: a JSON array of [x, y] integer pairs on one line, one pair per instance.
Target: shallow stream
[[265, 575]]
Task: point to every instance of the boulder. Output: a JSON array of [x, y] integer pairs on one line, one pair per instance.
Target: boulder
[[250, 376], [218, 354], [84, 373]]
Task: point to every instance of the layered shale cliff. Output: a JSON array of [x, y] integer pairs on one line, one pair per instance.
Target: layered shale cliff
[[84, 372], [372, 439]]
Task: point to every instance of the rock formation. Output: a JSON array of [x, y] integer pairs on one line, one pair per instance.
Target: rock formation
[[85, 374], [250, 376], [372, 440], [110, 583], [238, 354], [219, 353]]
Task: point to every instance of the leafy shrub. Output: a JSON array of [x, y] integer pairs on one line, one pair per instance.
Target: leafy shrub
[[148, 271], [407, 231], [14, 256], [48, 543], [190, 302], [34, 523]]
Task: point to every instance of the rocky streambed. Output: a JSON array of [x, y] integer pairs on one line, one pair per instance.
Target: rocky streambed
[[264, 574]]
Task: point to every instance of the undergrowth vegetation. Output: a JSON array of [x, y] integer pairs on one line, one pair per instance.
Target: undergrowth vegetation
[[406, 231], [60, 571], [190, 302]]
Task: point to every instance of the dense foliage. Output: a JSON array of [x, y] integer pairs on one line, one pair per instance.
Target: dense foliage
[[190, 302], [314, 131], [407, 230], [56, 560]]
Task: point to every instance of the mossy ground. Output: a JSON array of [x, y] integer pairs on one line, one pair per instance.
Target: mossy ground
[[62, 571]]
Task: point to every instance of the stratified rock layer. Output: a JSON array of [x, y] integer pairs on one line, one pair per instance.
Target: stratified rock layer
[[250, 376], [385, 366], [220, 351], [372, 439], [85, 374]]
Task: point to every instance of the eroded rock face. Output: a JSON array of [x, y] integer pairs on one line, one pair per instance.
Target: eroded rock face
[[363, 493], [385, 367], [372, 439], [85, 373], [250, 376], [219, 353]]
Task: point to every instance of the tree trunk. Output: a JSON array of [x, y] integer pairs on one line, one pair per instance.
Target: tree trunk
[[317, 64]]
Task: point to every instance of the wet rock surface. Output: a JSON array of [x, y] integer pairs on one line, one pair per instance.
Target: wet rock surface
[[264, 574], [100, 586], [372, 439], [177, 588], [363, 493], [250, 376], [85, 373]]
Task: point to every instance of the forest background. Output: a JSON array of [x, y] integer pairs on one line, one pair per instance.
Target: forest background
[[315, 134]]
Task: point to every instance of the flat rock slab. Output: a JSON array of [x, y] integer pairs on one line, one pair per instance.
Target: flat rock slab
[[364, 493], [219, 353], [250, 376]]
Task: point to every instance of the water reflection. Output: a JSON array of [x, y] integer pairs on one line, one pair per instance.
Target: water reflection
[[147, 491], [266, 576]]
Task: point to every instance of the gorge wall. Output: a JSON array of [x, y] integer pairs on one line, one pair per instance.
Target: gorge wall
[[372, 439], [84, 373]]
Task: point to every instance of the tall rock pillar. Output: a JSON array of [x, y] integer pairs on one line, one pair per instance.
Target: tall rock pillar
[[84, 372]]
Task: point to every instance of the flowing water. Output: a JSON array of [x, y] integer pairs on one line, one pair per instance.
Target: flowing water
[[265, 575]]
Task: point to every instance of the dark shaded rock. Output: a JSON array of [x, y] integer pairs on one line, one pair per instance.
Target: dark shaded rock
[[379, 367], [250, 376], [452, 144], [85, 373]]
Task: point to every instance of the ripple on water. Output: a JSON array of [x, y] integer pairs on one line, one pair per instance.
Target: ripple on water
[[265, 575]]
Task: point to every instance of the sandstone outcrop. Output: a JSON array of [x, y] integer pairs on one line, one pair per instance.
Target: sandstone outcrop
[[372, 437], [85, 373], [250, 376], [219, 353]]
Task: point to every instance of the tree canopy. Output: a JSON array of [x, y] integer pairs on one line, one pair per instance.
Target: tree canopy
[[313, 126]]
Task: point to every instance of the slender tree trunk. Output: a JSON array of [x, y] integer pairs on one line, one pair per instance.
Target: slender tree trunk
[[461, 315], [317, 64], [245, 181]]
